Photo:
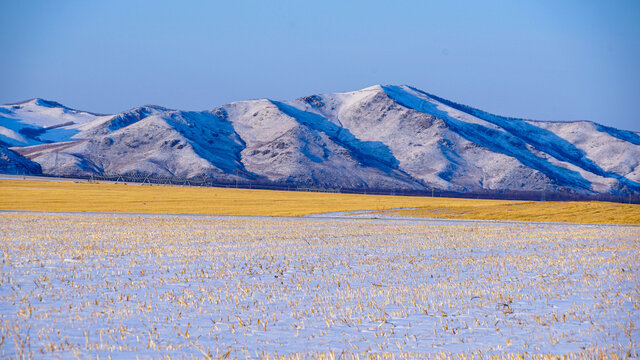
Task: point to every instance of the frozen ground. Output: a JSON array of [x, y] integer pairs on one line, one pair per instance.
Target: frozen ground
[[91, 285]]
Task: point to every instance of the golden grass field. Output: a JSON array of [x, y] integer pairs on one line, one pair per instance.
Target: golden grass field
[[108, 197]]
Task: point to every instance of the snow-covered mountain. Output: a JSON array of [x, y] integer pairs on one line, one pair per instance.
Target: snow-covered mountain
[[381, 137]]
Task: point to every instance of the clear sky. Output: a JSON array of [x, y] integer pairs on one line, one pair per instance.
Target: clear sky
[[545, 60]]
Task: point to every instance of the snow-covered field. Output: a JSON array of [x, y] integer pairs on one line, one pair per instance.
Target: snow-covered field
[[91, 285]]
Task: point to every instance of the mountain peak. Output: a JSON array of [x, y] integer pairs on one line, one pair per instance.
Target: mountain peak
[[47, 103], [155, 107], [377, 87], [39, 102]]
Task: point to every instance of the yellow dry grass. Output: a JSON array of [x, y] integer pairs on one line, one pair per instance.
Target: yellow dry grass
[[107, 197], [596, 212]]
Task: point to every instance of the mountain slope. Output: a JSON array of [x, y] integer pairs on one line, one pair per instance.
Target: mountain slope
[[381, 137], [39, 121], [13, 163]]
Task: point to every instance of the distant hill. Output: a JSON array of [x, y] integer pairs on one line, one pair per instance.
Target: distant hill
[[391, 138]]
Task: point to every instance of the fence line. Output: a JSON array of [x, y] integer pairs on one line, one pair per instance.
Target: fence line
[[427, 192]]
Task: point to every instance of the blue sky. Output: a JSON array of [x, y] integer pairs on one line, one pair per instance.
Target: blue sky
[[546, 60]]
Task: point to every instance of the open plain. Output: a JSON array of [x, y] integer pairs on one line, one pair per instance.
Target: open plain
[[193, 286], [109, 197]]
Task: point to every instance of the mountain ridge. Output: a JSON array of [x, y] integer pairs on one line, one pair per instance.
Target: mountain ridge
[[388, 137]]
